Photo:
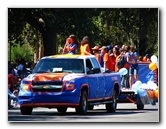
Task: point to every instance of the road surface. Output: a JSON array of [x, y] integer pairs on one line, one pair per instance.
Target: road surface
[[126, 112]]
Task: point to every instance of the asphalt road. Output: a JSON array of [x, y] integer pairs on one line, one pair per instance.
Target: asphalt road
[[126, 112]]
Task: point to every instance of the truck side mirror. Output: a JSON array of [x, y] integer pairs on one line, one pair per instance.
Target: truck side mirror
[[96, 70], [89, 71], [93, 71]]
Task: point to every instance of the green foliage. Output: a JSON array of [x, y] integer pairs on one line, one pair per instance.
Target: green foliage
[[104, 26], [18, 51]]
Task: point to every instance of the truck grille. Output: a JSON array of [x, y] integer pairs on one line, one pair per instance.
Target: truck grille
[[47, 86]]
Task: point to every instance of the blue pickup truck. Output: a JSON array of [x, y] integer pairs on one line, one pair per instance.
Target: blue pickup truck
[[62, 81]]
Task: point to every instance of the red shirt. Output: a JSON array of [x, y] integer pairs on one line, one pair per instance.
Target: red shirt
[[113, 59], [10, 77]]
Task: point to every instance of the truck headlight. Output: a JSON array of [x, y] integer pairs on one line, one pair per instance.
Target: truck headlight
[[26, 85], [69, 86]]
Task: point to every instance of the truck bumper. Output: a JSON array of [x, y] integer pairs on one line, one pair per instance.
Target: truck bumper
[[48, 99]]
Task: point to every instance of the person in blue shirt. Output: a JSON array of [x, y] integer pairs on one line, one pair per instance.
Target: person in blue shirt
[[133, 70], [71, 45], [101, 59]]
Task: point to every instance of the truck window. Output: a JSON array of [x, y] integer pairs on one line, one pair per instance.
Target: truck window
[[92, 68], [88, 64], [95, 63], [59, 65]]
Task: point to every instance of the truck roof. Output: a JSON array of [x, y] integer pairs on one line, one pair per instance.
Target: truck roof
[[70, 56]]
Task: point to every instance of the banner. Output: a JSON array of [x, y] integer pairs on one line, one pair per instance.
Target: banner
[[144, 73]]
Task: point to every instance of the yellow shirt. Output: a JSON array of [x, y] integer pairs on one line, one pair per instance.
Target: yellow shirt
[[85, 49]]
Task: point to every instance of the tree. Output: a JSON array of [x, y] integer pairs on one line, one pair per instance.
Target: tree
[[138, 26], [104, 26], [51, 22]]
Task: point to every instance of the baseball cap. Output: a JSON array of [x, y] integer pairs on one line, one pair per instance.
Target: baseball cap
[[116, 46], [103, 47], [109, 47], [95, 48]]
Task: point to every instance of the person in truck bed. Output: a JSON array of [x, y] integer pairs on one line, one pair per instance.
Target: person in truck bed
[[71, 45], [85, 48], [96, 52], [106, 59]]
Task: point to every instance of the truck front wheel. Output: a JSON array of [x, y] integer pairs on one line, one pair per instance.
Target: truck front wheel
[[26, 110]]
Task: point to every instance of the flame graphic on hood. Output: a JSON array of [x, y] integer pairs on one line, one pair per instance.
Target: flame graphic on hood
[[49, 76]]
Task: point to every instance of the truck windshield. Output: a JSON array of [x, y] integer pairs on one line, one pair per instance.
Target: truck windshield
[[59, 65]]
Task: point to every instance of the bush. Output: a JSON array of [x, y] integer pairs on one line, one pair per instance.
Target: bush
[[18, 51]]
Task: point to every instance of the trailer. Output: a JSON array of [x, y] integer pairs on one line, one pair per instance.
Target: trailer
[[132, 96]]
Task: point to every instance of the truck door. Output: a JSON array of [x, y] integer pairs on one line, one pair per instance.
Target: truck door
[[100, 79], [95, 79], [91, 80]]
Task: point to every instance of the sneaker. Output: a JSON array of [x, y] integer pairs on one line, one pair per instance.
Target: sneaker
[[124, 88]]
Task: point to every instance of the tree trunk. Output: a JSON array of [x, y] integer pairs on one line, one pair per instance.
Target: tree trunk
[[49, 42], [41, 52], [36, 57]]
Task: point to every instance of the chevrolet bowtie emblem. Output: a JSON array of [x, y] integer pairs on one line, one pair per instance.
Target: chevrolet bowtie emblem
[[46, 87]]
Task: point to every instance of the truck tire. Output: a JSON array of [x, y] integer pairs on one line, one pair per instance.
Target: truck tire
[[83, 105], [62, 109], [140, 105], [111, 107], [26, 110]]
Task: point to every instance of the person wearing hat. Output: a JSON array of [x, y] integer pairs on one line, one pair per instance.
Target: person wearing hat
[[106, 58], [96, 52], [109, 49]]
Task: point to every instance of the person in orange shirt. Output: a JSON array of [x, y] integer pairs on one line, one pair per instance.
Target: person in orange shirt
[[96, 52], [106, 59], [146, 58], [85, 48]]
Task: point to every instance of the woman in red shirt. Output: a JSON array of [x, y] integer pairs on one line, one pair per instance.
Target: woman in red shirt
[[113, 56], [12, 80]]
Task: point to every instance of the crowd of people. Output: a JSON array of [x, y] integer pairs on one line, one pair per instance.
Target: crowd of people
[[108, 56], [16, 71]]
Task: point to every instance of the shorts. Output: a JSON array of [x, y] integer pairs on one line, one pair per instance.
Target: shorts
[[133, 70]]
